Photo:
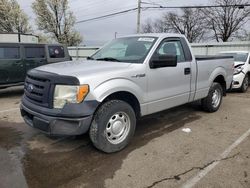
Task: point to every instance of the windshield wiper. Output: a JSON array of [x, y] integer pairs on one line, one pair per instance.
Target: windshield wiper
[[108, 59]]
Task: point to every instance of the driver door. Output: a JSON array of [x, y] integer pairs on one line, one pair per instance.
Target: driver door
[[169, 86]]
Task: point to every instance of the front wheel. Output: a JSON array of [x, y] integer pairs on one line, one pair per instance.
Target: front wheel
[[245, 84], [113, 126], [213, 101]]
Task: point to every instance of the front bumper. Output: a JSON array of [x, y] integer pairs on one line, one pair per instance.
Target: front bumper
[[55, 125], [237, 80], [73, 119]]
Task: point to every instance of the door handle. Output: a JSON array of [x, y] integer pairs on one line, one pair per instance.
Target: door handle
[[19, 63], [187, 71], [41, 61]]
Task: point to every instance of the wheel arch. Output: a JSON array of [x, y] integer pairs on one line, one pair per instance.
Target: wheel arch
[[221, 80], [127, 97], [121, 89], [219, 76]]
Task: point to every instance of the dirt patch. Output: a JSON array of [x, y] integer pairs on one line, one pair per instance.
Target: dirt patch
[[9, 137], [82, 166]]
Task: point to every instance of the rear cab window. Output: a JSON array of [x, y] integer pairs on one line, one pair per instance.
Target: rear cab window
[[34, 52], [56, 52], [7, 52]]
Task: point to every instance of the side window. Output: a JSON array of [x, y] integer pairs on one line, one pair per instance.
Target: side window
[[9, 53], [34, 52], [172, 48], [56, 52]]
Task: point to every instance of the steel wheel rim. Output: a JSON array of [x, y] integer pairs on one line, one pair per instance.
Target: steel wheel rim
[[245, 83], [117, 128], [216, 98]]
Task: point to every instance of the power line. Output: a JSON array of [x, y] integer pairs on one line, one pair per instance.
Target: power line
[[93, 4], [108, 15], [147, 3], [200, 6], [96, 14], [240, 6]]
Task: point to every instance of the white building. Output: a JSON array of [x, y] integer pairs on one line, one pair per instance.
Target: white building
[[14, 37], [213, 48]]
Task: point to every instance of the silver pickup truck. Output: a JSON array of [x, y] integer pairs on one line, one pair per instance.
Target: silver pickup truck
[[128, 78]]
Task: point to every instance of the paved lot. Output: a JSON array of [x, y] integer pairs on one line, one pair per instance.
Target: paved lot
[[216, 153]]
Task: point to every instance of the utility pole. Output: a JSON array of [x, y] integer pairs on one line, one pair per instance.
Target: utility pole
[[19, 28], [139, 16]]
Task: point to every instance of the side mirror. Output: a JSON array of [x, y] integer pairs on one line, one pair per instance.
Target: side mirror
[[163, 61]]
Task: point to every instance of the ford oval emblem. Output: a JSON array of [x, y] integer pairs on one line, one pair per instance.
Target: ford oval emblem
[[30, 87]]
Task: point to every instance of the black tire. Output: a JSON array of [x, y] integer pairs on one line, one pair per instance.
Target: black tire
[[98, 129], [207, 103], [245, 84]]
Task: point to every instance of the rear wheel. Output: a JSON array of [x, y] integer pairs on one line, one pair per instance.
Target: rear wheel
[[245, 84], [113, 126], [213, 101]]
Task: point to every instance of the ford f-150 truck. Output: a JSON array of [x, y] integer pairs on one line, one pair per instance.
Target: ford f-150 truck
[[128, 78]]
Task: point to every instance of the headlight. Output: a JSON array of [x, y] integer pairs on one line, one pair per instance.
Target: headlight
[[238, 69], [69, 94]]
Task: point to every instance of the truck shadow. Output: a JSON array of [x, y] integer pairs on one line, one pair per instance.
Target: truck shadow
[[85, 165], [237, 93], [11, 92]]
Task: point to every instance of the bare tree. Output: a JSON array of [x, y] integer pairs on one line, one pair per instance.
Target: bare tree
[[189, 22], [227, 22], [156, 26], [12, 17], [147, 27], [55, 18], [42, 38]]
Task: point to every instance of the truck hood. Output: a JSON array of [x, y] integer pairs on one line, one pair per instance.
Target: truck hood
[[84, 67], [238, 63]]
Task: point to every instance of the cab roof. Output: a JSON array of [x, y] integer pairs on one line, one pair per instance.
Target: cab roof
[[158, 35]]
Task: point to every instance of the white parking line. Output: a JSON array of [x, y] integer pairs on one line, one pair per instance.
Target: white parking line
[[193, 181], [9, 110]]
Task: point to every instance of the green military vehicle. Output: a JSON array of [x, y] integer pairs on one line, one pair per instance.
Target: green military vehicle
[[18, 58]]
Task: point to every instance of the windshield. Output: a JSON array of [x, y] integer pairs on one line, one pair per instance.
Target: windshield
[[240, 57], [129, 49]]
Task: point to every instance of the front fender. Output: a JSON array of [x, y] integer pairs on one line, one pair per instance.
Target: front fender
[[109, 87]]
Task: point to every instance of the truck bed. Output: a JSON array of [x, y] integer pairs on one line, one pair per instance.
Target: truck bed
[[216, 64]]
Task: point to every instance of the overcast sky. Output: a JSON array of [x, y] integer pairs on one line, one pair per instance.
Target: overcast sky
[[100, 31]]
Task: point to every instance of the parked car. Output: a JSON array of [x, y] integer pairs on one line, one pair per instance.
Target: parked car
[[130, 77], [241, 69], [18, 58]]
